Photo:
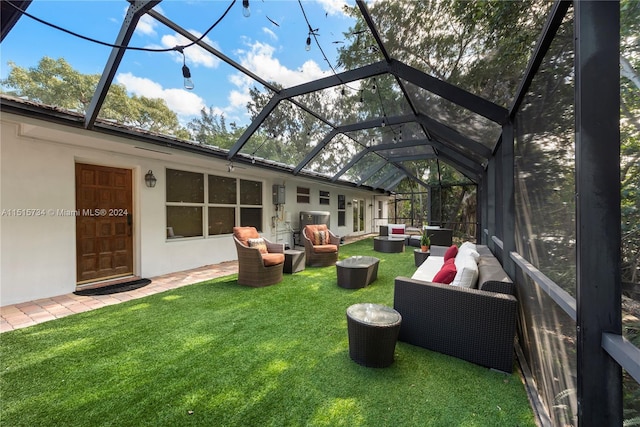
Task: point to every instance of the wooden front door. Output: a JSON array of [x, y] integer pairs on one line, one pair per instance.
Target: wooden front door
[[104, 227]]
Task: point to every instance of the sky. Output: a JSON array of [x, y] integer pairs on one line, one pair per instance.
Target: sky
[[270, 42]]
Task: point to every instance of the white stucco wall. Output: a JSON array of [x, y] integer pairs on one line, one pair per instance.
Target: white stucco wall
[[37, 188]]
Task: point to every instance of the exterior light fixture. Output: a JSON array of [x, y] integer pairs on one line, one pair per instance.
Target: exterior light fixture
[[307, 46], [246, 12], [150, 180], [230, 167]]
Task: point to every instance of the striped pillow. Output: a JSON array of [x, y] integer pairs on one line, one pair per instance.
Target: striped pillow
[[319, 237], [259, 244]]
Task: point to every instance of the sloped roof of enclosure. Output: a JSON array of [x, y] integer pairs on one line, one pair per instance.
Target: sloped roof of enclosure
[[409, 89]]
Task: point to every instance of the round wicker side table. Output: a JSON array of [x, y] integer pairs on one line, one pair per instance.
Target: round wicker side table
[[373, 331]]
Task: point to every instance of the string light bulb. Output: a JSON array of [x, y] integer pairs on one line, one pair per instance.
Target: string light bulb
[[307, 46], [246, 11], [188, 83], [186, 73]]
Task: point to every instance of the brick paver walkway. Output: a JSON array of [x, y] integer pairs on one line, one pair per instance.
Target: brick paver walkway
[[34, 312]]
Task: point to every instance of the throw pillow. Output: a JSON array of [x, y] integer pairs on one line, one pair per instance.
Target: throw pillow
[[320, 238], [397, 230], [259, 244], [446, 274], [451, 252], [467, 273]]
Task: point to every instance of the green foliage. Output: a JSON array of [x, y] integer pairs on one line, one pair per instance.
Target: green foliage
[[630, 138], [211, 129], [56, 83], [425, 238], [220, 354]]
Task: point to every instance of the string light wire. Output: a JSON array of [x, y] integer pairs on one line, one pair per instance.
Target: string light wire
[[145, 49]]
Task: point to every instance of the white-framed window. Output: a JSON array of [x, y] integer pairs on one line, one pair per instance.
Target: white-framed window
[[199, 204]]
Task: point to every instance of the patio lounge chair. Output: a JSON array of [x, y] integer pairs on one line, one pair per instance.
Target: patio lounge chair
[[260, 262], [320, 245]]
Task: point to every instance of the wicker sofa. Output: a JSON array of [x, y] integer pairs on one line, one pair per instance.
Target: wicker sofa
[[476, 324], [439, 236]]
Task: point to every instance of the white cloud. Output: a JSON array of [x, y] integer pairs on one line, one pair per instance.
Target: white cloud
[[259, 58], [261, 61], [333, 7], [239, 100], [147, 25], [195, 55], [182, 102]]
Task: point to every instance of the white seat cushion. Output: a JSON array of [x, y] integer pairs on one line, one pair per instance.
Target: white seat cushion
[[429, 268]]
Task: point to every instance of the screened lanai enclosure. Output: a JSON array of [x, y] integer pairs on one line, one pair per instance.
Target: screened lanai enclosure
[[516, 123]]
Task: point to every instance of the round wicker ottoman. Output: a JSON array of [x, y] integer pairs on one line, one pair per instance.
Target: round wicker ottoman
[[373, 331]]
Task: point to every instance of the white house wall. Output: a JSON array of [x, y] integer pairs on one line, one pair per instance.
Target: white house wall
[[37, 183]]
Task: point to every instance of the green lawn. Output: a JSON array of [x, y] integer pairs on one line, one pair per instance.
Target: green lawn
[[219, 354]]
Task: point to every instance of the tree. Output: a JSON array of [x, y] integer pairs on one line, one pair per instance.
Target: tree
[[56, 83], [211, 129]]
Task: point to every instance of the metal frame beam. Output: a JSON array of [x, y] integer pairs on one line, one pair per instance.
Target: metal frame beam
[[319, 147], [387, 177], [410, 158], [178, 29], [451, 93], [255, 124], [374, 69], [372, 172], [556, 16], [11, 11], [136, 9], [598, 212]]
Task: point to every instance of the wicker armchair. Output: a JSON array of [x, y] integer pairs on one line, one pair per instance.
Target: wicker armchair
[[260, 262], [320, 253]]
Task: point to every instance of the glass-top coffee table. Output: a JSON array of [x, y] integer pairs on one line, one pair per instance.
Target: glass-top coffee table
[[357, 271], [373, 331]]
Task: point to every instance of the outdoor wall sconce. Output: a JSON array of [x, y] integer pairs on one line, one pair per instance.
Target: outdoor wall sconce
[[348, 203], [150, 179]]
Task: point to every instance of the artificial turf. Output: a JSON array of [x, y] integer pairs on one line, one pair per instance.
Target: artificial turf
[[219, 354]]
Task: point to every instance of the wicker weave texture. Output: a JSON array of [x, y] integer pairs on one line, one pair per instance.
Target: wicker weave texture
[[469, 324], [352, 276], [320, 259], [251, 268], [372, 346]]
